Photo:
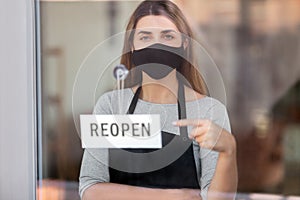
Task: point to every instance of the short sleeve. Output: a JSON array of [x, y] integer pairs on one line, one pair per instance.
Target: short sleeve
[[217, 113], [94, 164]]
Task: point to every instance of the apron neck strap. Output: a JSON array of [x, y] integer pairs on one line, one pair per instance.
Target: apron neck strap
[[134, 100], [182, 109]]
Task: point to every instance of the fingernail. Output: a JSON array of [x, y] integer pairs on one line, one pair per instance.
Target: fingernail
[[174, 123]]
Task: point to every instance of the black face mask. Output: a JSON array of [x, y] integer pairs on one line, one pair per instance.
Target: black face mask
[[158, 60]]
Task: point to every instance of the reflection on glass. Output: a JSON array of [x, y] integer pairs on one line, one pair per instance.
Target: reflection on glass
[[256, 45]]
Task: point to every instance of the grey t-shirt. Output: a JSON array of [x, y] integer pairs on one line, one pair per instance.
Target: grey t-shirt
[[94, 166]]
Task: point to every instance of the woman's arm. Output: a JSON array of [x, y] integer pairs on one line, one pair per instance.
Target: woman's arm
[[212, 137], [112, 191], [224, 182]]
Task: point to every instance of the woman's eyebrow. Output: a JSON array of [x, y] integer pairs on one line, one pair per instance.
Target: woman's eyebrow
[[168, 31], [144, 32]]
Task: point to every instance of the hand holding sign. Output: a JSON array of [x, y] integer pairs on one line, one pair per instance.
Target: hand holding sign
[[209, 135]]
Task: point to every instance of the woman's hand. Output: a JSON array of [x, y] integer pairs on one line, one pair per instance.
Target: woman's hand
[[185, 194], [209, 135], [191, 194]]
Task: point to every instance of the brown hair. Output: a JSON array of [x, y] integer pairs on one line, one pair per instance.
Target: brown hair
[[171, 11]]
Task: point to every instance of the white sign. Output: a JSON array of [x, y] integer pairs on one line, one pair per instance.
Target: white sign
[[120, 131]]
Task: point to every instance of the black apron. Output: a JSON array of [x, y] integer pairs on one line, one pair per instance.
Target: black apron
[[181, 173]]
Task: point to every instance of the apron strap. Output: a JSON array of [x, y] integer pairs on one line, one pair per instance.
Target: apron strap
[[182, 109], [134, 100]]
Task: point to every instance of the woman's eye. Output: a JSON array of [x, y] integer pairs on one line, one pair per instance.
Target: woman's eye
[[145, 38], [169, 37]]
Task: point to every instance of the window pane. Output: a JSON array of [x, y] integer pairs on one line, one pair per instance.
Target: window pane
[[256, 45]]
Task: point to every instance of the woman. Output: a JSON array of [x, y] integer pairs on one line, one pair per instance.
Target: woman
[[158, 51]]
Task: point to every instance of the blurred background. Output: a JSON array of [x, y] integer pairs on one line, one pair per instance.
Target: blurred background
[[255, 44]]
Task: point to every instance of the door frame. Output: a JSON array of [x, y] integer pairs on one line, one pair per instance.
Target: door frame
[[19, 99]]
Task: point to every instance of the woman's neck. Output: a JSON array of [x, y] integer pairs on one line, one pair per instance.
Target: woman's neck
[[162, 91]]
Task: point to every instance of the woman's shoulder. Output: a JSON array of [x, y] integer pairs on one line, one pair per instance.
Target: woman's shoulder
[[111, 94], [108, 102], [194, 96]]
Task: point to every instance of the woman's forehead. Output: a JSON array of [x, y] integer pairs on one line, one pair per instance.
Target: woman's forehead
[[156, 23]]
